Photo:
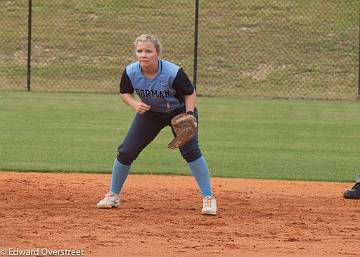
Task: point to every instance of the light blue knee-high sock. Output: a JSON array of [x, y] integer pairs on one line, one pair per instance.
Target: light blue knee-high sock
[[118, 177], [200, 171]]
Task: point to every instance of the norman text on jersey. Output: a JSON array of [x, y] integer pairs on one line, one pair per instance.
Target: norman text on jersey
[[153, 93]]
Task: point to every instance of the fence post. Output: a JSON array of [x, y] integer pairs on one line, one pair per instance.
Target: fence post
[[359, 63], [196, 41], [29, 47]]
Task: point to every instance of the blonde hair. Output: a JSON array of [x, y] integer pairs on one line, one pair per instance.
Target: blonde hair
[[149, 38]]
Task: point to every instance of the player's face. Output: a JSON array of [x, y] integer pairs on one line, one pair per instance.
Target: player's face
[[146, 54]]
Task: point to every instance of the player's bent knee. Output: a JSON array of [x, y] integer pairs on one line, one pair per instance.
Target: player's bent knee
[[125, 158], [191, 155]]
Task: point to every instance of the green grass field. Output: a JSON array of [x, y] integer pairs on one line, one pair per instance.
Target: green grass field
[[275, 48], [272, 139]]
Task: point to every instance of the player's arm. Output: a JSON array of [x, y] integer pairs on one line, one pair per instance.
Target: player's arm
[[136, 105], [127, 95], [190, 102], [185, 89]]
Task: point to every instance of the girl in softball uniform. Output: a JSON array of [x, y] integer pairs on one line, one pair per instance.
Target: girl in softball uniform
[[164, 91]]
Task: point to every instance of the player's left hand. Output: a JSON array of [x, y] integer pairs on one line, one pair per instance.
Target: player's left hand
[[184, 126]]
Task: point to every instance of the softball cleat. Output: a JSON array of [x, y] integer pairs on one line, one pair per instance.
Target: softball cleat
[[353, 193], [111, 200], [209, 205]]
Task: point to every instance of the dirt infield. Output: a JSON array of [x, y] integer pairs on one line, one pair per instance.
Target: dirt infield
[[160, 216]]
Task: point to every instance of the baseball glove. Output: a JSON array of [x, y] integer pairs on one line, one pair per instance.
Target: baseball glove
[[184, 126]]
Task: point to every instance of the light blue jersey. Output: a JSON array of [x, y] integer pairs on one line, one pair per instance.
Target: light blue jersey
[[164, 93]]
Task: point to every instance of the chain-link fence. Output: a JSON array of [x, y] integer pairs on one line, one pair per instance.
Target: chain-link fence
[[249, 48], [13, 45]]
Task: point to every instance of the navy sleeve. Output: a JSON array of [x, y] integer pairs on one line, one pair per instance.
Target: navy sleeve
[[182, 84], [126, 86]]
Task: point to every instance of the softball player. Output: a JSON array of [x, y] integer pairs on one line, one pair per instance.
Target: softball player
[[164, 91]]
